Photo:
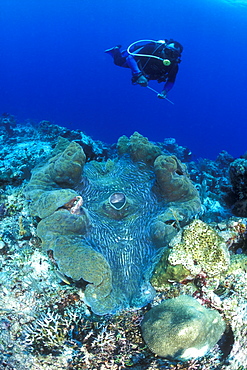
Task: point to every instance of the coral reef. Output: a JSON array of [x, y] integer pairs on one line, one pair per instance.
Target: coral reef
[[173, 179], [108, 242], [182, 329], [63, 170], [198, 249], [238, 178], [175, 188], [26, 145], [36, 298], [139, 148], [213, 183]]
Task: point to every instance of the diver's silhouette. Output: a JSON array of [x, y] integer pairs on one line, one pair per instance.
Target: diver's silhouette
[[150, 60]]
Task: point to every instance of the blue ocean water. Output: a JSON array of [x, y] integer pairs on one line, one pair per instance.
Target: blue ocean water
[[53, 67]]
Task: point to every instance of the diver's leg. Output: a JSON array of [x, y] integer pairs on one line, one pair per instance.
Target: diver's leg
[[137, 75], [118, 57], [132, 64], [112, 51], [123, 59]]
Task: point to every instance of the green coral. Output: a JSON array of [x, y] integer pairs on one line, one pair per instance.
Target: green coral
[[139, 148], [62, 171], [60, 228], [173, 179], [110, 244], [164, 273], [76, 259], [181, 329], [175, 188], [200, 248]]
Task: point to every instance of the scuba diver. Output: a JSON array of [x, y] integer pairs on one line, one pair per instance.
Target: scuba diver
[[150, 60]]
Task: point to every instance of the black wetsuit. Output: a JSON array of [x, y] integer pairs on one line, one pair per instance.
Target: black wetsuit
[[152, 68]]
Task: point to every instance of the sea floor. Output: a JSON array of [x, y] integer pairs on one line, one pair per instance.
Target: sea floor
[[43, 319]]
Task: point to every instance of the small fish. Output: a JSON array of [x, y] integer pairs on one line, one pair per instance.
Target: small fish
[[62, 277]]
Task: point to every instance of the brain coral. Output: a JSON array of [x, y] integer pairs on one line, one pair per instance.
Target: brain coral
[[106, 221], [182, 329]]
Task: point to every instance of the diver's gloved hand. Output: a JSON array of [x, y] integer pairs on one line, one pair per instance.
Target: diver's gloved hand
[[162, 95], [139, 79]]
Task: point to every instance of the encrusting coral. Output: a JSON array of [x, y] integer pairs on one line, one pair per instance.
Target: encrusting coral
[[195, 250], [111, 241], [201, 250]]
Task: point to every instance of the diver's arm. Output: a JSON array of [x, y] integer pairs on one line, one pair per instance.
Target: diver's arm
[[167, 87], [169, 83]]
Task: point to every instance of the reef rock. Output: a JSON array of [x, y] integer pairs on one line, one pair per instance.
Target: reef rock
[[181, 329], [100, 221]]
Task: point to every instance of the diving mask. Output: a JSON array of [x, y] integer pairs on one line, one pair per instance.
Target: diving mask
[[172, 53]]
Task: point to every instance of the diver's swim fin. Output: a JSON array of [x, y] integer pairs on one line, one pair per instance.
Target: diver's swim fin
[[112, 51]]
